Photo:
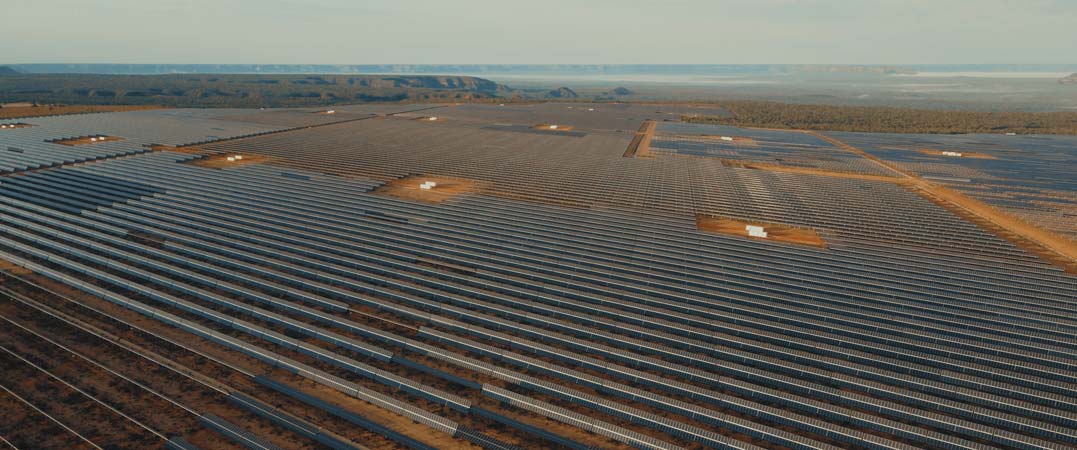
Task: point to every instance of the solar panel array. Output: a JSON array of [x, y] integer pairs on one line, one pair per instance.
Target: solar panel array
[[27, 148], [581, 115], [575, 288], [770, 147], [1031, 177]]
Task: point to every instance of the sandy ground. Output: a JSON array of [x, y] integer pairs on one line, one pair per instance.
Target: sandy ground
[[407, 188], [776, 232], [387, 418], [737, 140], [86, 140], [964, 154], [8, 266], [221, 161], [546, 127], [1051, 247]]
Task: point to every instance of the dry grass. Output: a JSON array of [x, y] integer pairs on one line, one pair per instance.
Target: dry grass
[[221, 161], [775, 232], [85, 140], [407, 188], [8, 112]]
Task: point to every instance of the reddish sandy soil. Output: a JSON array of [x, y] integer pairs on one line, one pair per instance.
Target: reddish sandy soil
[[221, 161], [737, 140], [8, 266], [964, 154], [85, 140], [776, 232], [546, 127], [407, 188]]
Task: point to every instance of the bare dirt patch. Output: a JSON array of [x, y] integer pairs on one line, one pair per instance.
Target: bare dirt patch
[[221, 161], [737, 140], [775, 232], [964, 154], [389, 419], [552, 127], [407, 188], [86, 140], [12, 268]]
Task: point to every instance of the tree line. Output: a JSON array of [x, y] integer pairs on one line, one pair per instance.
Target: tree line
[[877, 119]]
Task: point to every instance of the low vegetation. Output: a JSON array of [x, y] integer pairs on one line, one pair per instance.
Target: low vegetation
[[241, 91], [888, 120], [12, 112]]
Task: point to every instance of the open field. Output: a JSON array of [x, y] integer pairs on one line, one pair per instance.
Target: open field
[[591, 288]]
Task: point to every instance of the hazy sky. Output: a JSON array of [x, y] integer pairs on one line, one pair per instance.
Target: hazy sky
[[549, 31]]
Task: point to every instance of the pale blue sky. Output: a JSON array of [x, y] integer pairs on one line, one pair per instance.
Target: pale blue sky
[[544, 31]]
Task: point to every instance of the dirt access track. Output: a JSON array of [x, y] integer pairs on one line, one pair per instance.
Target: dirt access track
[[640, 147], [1051, 247]]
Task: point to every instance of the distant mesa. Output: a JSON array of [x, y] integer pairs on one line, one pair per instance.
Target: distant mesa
[[873, 70], [426, 81], [622, 91], [5, 70], [1072, 79], [562, 92]]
